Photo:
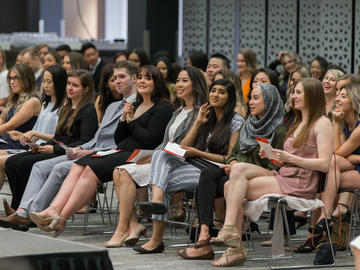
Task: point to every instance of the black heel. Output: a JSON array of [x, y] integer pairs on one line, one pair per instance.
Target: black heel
[[345, 217], [254, 227]]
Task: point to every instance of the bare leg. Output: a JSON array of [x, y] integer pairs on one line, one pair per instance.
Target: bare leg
[[341, 209], [157, 194], [157, 235], [142, 194], [126, 192], [82, 193], [65, 191], [237, 188], [337, 166]]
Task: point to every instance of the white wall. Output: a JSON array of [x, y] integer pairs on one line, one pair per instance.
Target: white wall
[[116, 19]]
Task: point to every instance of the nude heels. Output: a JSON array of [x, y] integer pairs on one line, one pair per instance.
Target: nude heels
[[56, 225], [134, 238], [114, 244]]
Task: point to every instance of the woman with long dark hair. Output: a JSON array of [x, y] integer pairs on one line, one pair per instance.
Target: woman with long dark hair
[[142, 126], [107, 91], [212, 136], [267, 112]]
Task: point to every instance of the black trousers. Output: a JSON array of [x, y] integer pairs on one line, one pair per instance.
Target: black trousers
[[18, 168], [211, 186]]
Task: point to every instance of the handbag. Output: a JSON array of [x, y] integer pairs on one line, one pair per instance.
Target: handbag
[[324, 256], [200, 163], [340, 233]]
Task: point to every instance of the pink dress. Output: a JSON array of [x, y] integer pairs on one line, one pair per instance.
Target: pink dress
[[296, 181]]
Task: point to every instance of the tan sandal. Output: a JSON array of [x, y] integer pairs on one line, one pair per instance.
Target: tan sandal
[[227, 236], [226, 260]]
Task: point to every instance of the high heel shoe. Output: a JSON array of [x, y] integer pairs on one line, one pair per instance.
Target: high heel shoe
[[134, 238], [344, 217], [114, 244], [313, 241], [41, 222], [227, 258], [246, 235], [228, 236], [56, 226]]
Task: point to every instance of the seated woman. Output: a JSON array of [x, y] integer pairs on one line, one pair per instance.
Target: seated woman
[[212, 136], [107, 91], [22, 108], [74, 61], [345, 168], [142, 126], [265, 121], [191, 88], [77, 124], [54, 82], [307, 149]]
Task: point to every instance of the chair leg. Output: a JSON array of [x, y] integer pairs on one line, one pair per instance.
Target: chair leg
[[329, 236]]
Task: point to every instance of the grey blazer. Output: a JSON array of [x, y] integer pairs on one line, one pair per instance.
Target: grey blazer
[[182, 129], [104, 136]]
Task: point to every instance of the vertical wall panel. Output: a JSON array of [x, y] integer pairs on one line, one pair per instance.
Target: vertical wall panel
[[282, 26], [309, 29], [194, 26], [357, 37], [222, 21], [252, 27], [336, 27]]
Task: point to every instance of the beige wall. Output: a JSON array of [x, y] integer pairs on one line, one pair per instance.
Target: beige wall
[[92, 12]]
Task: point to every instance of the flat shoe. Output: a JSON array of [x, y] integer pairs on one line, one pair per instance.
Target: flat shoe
[[183, 254], [8, 210], [153, 208], [202, 243], [158, 249]]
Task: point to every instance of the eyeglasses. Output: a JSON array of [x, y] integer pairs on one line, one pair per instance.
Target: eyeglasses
[[15, 78]]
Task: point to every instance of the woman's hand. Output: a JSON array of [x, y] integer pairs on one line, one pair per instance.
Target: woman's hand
[[226, 168], [128, 112], [45, 149], [30, 135], [203, 114], [144, 160], [280, 55], [282, 156], [262, 153], [337, 116], [190, 151], [15, 135]]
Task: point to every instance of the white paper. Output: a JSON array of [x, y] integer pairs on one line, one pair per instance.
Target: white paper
[[3, 141], [214, 162], [267, 149], [105, 153], [139, 154], [174, 149]]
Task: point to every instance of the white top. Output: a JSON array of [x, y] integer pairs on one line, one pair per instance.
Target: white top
[[178, 120], [46, 121], [4, 86]]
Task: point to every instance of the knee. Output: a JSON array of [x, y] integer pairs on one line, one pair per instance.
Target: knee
[[238, 169], [87, 172]]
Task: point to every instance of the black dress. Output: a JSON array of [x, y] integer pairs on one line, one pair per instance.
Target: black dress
[[18, 167], [145, 132]]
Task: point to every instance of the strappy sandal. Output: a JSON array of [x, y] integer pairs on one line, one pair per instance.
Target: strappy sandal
[[344, 217], [228, 236], [56, 226], [313, 241], [226, 260], [202, 243]]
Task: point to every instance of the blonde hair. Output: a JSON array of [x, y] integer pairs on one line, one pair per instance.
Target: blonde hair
[[27, 80], [353, 92], [294, 57]]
